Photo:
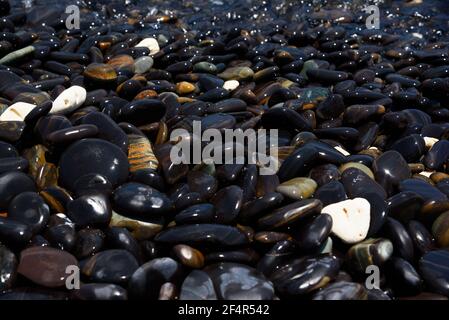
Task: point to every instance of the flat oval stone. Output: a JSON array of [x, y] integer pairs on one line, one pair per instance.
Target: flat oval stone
[[121, 238], [239, 282], [303, 276], [283, 118], [297, 163], [404, 278], [396, 232], [8, 268], [147, 280], [411, 147], [437, 155], [205, 184], [100, 291], [110, 266], [227, 202], [46, 266], [342, 290], [198, 286], [107, 129], [93, 156], [140, 112], [90, 210], [373, 251], [30, 209], [12, 184], [351, 219], [136, 199], [435, 272], [65, 136], [290, 214], [425, 190], [312, 235], [422, 239], [404, 206], [260, 206], [203, 234]]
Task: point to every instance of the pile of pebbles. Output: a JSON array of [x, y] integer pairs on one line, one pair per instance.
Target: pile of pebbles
[[86, 178]]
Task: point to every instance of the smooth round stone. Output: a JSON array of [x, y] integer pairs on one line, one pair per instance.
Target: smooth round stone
[[50, 123], [11, 131], [357, 165], [93, 156], [351, 219], [7, 150], [143, 64], [198, 286], [29, 208], [303, 276], [107, 129], [324, 174], [390, 169], [237, 73], [437, 155], [100, 75], [88, 242], [68, 135], [227, 202], [297, 163], [231, 85], [331, 192], [404, 279], [404, 206], [218, 121], [440, 230], [312, 235], [46, 266], [342, 290], [283, 118], [357, 183], [374, 251], [69, 100], [141, 112], [188, 256], [411, 147], [203, 234], [378, 212], [17, 111], [12, 184], [239, 282], [297, 188], [184, 87], [121, 238], [100, 291], [61, 232], [205, 67], [422, 239], [434, 269], [13, 164], [202, 183], [403, 244], [259, 207], [138, 200], [150, 43], [199, 213], [90, 210], [91, 183], [425, 190], [147, 280], [110, 266], [8, 268], [280, 252], [290, 214]]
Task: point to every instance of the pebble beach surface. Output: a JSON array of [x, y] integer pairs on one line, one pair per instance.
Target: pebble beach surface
[[358, 207]]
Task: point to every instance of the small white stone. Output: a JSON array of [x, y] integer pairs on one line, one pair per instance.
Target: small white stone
[[426, 173], [151, 44], [69, 100], [350, 219], [430, 142], [17, 112], [341, 150], [231, 85]]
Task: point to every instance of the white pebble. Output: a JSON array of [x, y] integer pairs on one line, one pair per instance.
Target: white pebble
[[341, 150], [151, 44], [350, 219], [231, 85], [426, 173], [69, 100], [430, 142], [17, 112]]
